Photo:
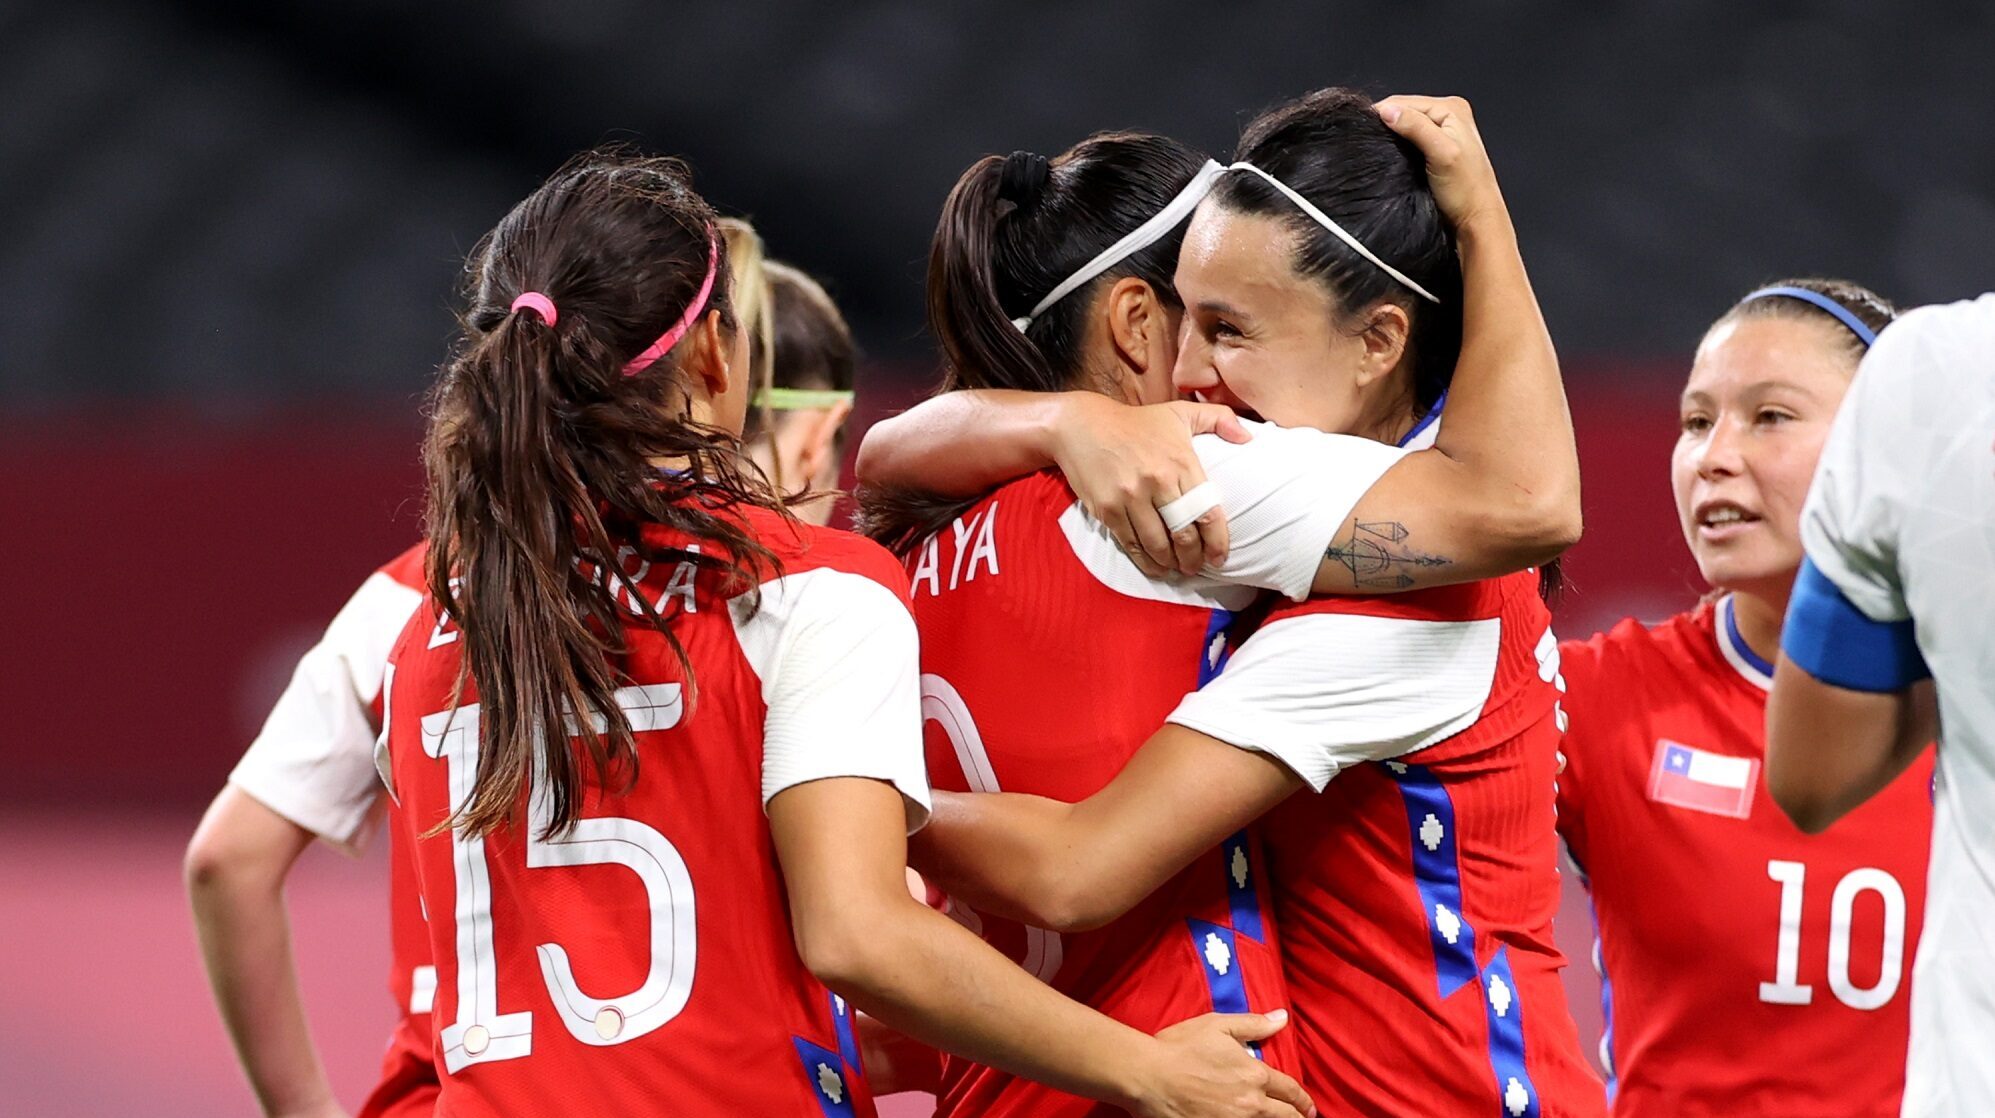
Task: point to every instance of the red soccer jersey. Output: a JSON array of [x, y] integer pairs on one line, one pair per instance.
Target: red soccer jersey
[[1047, 661], [1416, 893], [1747, 968], [645, 959]]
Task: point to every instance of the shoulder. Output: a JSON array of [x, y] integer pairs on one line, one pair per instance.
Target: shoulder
[[800, 548], [1269, 441], [406, 569]]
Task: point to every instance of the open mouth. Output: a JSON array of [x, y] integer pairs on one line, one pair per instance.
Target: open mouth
[[1720, 517]]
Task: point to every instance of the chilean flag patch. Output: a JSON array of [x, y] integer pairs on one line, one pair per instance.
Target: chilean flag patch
[[1684, 776]]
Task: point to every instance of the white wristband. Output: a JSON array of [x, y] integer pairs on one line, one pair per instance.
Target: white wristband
[[1189, 506]]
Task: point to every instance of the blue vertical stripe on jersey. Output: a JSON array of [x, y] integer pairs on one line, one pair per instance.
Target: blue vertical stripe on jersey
[[1219, 957], [848, 1041], [828, 1081], [1214, 652], [1504, 1007], [1243, 889], [1606, 1005], [1437, 872]]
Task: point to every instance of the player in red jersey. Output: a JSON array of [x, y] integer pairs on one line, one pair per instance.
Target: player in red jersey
[[1746, 967], [1415, 910], [310, 773], [600, 563], [1505, 330]]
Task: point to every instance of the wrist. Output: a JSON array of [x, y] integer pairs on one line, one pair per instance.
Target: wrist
[[1064, 424], [1134, 1073], [1486, 225]]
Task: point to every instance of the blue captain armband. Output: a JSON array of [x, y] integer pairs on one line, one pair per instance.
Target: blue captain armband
[[1830, 639]]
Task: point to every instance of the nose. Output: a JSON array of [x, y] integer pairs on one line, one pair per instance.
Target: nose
[[1193, 371], [1723, 453]]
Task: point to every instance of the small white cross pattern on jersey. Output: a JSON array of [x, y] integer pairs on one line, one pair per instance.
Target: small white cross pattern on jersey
[[1217, 956], [832, 1086], [1516, 1099], [1239, 867], [1431, 833], [1499, 995], [1446, 920]]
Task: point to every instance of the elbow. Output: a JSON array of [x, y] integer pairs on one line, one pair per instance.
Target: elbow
[[1545, 526], [1069, 902], [847, 950], [1809, 808]]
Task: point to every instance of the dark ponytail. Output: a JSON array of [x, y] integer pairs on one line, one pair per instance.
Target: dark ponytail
[[1331, 147], [540, 457], [1013, 228]]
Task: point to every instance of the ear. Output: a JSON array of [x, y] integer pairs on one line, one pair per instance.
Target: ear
[[708, 360], [1387, 328], [1136, 324], [822, 436]]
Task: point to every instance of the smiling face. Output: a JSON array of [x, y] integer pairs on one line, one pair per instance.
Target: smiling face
[[1761, 396], [1265, 340]]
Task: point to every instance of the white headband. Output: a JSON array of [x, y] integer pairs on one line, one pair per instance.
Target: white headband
[[1176, 210], [1138, 239], [1323, 219]]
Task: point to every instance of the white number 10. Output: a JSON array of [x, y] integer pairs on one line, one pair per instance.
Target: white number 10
[[1785, 989], [481, 1033]]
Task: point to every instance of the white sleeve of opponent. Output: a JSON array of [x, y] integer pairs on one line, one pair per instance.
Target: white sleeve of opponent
[[1873, 466], [840, 666], [1321, 691], [1285, 492], [313, 762]]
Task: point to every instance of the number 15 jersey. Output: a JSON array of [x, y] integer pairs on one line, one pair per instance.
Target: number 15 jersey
[[644, 961]]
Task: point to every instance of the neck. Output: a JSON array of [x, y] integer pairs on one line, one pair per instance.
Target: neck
[[1759, 613], [1391, 417]]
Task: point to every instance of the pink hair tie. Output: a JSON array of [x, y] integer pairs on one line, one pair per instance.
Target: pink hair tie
[[671, 337], [535, 301]]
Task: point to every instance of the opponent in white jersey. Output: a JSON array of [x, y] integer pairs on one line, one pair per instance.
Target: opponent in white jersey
[[1899, 589]]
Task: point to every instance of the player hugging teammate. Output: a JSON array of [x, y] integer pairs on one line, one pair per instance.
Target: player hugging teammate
[[1243, 713]]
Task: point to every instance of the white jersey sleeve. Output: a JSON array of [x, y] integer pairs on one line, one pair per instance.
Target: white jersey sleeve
[[1285, 492], [839, 662], [313, 762], [1321, 691], [1872, 462]]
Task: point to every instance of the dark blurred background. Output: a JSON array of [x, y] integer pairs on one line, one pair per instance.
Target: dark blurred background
[[229, 234]]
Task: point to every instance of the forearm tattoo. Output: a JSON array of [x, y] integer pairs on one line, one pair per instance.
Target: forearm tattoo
[[1376, 554]]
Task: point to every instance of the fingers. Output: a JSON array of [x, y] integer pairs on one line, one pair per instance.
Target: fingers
[[1289, 1095], [1251, 1026], [1188, 549], [1147, 544], [1418, 126], [1212, 530], [1201, 418]]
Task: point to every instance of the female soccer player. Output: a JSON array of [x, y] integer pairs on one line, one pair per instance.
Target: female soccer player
[[657, 744], [796, 422], [1740, 958], [1049, 639], [1446, 951], [309, 774]]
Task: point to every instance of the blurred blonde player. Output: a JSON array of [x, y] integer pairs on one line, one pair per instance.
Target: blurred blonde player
[[310, 775], [1740, 958], [796, 422], [1890, 636]]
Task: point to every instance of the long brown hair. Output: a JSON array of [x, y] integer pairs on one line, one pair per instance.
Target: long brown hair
[[1012, 228], [541, 455]]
